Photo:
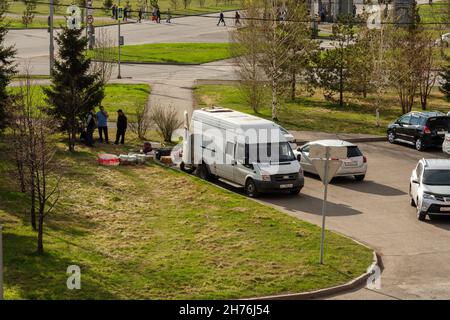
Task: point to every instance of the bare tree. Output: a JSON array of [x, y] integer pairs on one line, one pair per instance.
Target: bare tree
[[166, 121], [141, 123], [35, 148], [427, 64], [23, 113], [174, 4], [104, 54], [245, 49], [278, 32], [186, 3], [46, 180], [404, 60]]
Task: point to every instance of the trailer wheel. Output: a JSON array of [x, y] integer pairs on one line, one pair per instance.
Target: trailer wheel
[[186, 169], [202, 172]]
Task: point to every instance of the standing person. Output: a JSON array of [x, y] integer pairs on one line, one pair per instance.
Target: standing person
[[237, 19], [122, 124], [113, 11], [354, 10], [169, 16], [140, 15], [102, 120], [154, 18], [125, 13], [221, 19], [322, 15], [90, 127], [158, 15]]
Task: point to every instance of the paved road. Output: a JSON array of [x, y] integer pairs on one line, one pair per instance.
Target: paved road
[[416, 255], [34, 42]]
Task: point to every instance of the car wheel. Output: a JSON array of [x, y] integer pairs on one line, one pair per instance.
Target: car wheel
[[391, 137], [421, 215], [295, 191], [413, 203], [360, 177], [250, 188], [419, 145]]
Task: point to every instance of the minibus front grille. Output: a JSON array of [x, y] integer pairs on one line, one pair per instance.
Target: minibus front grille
[[285, 177]]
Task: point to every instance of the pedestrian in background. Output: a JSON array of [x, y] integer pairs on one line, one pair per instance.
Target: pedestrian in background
[[140, 15], [125, 13], [90, 127], [158, 15], [102, 124], [114, 11], [237, 19], [122, 123], [221, 19], [169, 16]]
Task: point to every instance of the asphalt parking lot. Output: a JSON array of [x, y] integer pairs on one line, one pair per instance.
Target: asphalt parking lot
[[377, 212]]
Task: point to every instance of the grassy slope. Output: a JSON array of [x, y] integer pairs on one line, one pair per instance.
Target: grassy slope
[[117, 96], [316, 114], [189, 53], [149, 232]]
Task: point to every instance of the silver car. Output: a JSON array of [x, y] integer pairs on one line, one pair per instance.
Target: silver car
[[354, 165]]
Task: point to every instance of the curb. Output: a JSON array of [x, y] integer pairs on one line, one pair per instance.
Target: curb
[[356, 283]]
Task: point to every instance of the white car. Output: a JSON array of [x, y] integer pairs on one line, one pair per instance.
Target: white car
[[429, 188], [354, 165], [446, 143]]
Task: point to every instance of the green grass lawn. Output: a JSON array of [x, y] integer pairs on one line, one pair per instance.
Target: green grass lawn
[[117, 96], [145, 232], [182, 53], [316, 114], [125, 97]]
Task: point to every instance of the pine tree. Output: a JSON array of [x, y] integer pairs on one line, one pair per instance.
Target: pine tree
[[445, 75], [74, 90], [7, 68]]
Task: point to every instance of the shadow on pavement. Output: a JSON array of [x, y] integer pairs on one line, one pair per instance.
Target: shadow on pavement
[[440, 222], [370, 187], [303, 203], [309, 204]]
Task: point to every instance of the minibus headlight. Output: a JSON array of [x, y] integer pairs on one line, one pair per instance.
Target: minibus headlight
[[265, 177]]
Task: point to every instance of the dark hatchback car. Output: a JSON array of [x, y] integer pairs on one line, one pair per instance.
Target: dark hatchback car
[[420, 129]]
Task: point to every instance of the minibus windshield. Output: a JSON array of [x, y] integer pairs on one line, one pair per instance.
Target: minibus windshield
[[270, 152]]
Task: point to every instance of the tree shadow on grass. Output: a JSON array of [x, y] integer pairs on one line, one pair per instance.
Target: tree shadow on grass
[[33, 276]]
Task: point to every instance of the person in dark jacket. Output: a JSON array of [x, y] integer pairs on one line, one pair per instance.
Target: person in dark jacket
[[90, 127], [158, 15], [122, 124], [140, 15], [221, 19]]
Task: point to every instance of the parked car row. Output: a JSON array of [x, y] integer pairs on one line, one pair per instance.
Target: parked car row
[[217, 147]]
